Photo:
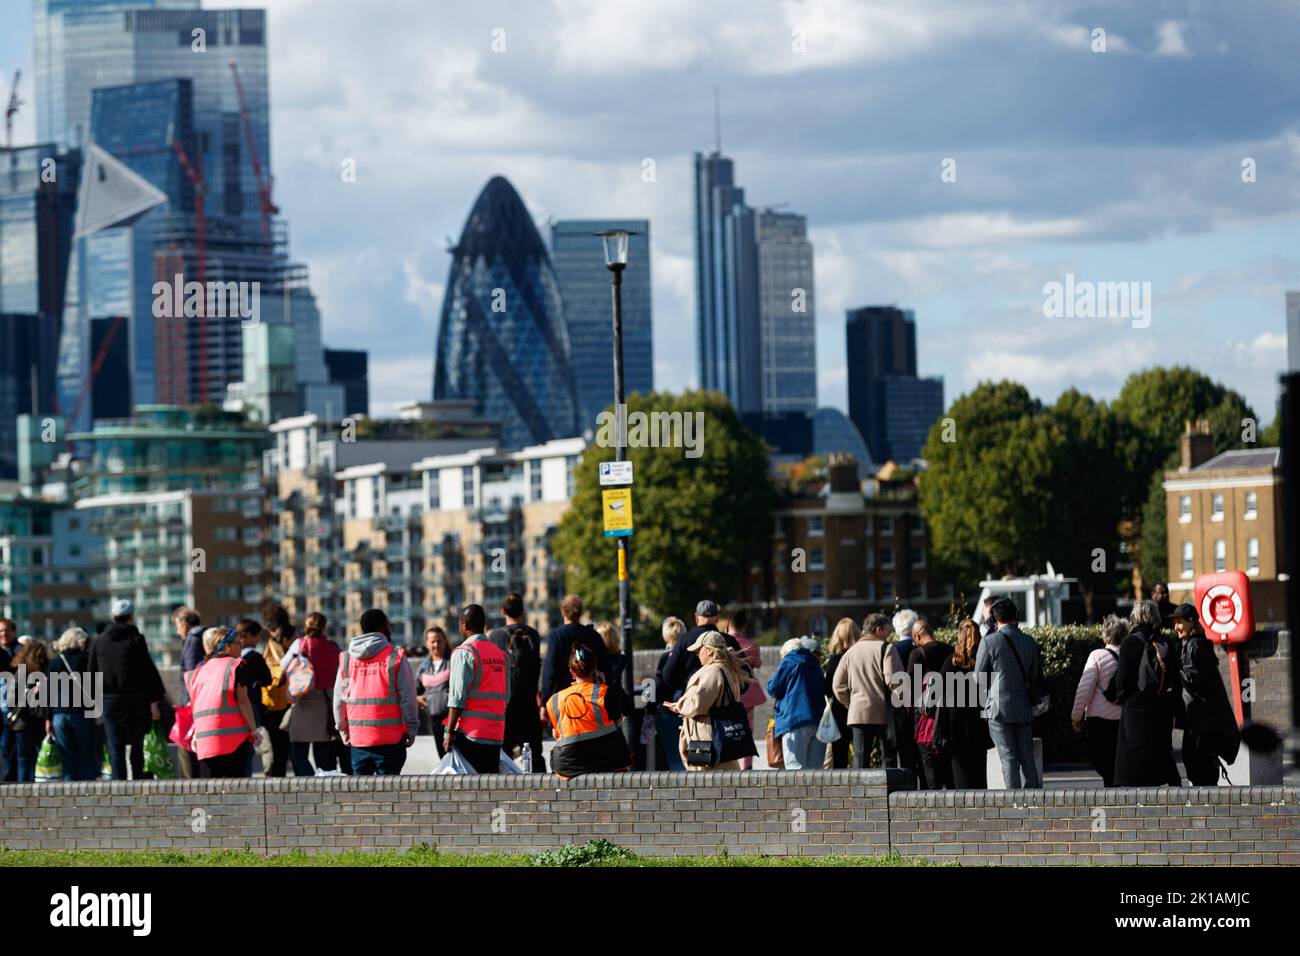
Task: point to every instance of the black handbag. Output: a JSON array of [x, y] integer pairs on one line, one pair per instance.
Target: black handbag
[[732, 738]]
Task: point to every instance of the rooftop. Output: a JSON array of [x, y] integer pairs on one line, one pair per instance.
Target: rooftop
[[1244, 458]]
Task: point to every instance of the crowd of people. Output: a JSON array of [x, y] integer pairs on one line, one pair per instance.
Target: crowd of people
[[316, 707]]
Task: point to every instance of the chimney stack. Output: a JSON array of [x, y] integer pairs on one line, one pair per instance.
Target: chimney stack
[[1196, 444]]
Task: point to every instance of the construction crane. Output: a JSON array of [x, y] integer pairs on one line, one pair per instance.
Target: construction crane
[[269, 208], [194, 172], [11, 110]]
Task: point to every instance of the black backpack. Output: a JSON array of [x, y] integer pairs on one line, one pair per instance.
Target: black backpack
[[1153, 679]]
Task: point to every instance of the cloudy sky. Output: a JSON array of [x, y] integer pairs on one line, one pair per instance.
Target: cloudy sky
[[1123, 165]]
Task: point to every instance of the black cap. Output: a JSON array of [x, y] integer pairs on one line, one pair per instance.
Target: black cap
[[1186, 611]]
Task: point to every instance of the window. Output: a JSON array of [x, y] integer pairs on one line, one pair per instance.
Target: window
[[816, 526], [817, 591], [886, 525], [467, 486], [1252, 506], [535, 480], [1187, 559], [571, 476], [1252, 556], [434, 490], [816, 560], [1216, 508], [917, 591], [918, 557], [886, 558], [1185, 509], [887, 592], [1220, 555], [918, 526]]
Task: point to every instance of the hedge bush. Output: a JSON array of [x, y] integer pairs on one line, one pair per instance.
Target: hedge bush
[[1063, 649]]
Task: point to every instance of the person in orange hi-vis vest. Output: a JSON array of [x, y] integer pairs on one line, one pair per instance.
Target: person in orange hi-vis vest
[[375, 708], [477, 692], [224, 731], [584, 720]]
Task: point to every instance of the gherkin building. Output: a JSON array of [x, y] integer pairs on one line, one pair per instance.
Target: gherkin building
[[502, 339]]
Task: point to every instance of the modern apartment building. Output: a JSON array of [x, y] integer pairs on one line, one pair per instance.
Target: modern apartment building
[[175, 496], [307, 476], [1225, 513], [49, 564]]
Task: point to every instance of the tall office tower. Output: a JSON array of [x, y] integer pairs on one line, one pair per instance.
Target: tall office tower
[[110, 72], [351, 369], [579, 258], [892, 407], [502, 338], [787, 326], [37, 217], [756, 319], [1293, 331], [715, 336]]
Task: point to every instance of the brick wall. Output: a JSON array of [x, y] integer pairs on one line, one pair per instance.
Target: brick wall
[[1126, 826], [796, 813], [791, 813]]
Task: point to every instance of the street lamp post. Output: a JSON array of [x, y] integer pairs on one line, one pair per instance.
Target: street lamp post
[[616, 244]]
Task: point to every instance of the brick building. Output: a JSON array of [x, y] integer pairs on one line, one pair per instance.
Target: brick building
[[844, 548], [1224, 513]]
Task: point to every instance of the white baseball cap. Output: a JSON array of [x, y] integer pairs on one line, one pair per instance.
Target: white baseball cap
[[121, 607]]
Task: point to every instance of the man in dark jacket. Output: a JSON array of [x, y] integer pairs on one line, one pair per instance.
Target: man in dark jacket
[[555, 671], [133, 690], [1148, 687], [523, 647], [1209, 725], [682, 661]]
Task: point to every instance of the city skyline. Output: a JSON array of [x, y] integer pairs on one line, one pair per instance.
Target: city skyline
[[1053, 176]]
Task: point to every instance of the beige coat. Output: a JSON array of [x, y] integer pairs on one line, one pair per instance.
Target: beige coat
[[862, 680], [703, 690]]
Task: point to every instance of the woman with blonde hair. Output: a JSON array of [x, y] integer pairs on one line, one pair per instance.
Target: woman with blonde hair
[[961, 733], [845, 635], [713, 693], [224, 728], [609, 637], [667, 724], [73, 731]]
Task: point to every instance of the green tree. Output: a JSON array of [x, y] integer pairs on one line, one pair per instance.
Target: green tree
[[701, 522], [1087, 492], [1153, 408], [988, 495]]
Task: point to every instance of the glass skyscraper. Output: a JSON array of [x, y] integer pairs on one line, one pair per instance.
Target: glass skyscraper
[[579, 258], [37, 209], [755, 306], [503, 341], [892, 407], [128, 75]]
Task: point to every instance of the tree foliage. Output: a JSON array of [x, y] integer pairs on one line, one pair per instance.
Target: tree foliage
[[701, 523]]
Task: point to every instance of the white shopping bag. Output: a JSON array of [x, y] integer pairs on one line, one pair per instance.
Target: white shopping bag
[[508, 765], [453, 763], [828, 731]]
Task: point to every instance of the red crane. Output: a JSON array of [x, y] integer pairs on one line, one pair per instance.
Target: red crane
[[100, 356], [269, 208], [194, 172]]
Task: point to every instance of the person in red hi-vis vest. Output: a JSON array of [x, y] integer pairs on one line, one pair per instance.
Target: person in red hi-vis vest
[[224, 730], [477, 692], [375, 708]]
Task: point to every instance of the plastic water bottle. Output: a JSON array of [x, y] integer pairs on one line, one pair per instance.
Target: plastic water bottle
[[526, 759]]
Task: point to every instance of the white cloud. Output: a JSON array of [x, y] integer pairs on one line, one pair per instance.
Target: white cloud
[[1170, 42]]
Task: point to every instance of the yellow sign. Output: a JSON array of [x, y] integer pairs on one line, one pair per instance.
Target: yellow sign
[[616, 506]]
